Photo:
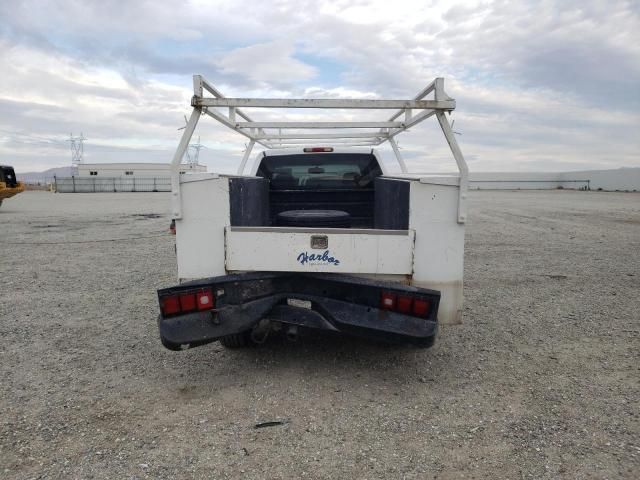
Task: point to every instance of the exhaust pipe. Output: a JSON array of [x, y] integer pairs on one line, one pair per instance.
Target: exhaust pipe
[[292, 333]]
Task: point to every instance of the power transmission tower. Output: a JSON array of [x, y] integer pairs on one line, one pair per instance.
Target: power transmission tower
[[77, 149], [193, 152], [192, 158]]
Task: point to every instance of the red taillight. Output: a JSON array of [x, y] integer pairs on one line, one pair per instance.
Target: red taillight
[[388, 301], [404, 304], [420, 307], [205, 299], [170, 305], [187, 302], [317, 149]]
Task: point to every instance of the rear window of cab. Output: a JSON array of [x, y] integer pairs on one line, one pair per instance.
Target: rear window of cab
[[320, 171]]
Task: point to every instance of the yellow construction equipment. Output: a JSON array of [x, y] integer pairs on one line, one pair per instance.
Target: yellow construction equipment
[[9, 186]]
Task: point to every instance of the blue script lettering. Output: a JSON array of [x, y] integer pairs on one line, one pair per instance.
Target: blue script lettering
[[305, 257]]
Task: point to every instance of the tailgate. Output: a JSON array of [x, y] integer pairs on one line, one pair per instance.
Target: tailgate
[[336, 250]]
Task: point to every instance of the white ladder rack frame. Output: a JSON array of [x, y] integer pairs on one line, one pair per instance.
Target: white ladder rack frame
[[284, 134]]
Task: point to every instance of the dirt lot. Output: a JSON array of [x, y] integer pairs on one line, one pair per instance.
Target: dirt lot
[[542, 380]]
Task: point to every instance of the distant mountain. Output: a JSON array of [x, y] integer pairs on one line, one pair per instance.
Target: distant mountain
[[47, 175]]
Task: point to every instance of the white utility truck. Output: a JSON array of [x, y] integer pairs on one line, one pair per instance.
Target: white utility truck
[[315, 232]]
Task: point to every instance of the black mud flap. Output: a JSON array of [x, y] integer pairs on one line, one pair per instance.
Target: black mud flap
[[335, 302]]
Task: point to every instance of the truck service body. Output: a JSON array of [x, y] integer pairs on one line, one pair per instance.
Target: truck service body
[[315, 232]]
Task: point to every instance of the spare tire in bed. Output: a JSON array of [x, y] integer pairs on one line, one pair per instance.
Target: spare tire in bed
[[314, 219]]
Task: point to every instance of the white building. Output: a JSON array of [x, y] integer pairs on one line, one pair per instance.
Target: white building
[[147, 170]]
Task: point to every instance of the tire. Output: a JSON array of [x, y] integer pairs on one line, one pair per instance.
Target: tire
[[314, 218], [237, 340]]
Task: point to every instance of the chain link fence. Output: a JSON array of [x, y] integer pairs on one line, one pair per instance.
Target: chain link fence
[[111, 184], [163, 184], [529, 184]]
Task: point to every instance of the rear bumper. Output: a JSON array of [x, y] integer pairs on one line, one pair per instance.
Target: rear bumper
[[338, 303]]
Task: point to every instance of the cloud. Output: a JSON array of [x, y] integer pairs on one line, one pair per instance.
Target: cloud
[[539, 85], [270, 64], [337, 92]]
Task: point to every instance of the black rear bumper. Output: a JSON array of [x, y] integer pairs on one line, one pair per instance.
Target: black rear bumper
[[338, 303]]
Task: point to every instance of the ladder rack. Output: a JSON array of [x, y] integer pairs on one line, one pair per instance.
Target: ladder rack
[[292, 134]]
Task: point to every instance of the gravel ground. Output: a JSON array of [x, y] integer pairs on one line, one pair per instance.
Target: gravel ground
[[541, 381]]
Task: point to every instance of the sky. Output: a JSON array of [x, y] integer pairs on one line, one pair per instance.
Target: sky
[[540, 86]]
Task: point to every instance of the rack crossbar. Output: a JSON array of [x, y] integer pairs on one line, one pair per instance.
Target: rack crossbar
[[319, 124], [372, 139], [321, 103], [319, 136], [337, 144]]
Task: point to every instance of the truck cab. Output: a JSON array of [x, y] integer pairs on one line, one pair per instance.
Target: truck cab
[[315, 232]]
